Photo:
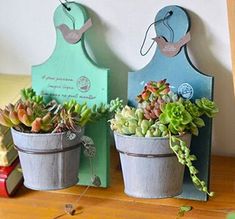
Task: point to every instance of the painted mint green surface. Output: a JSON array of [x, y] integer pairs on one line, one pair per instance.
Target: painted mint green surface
[[70, 73], [178, 71]]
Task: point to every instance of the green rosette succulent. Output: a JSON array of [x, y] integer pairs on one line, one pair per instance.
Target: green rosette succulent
[[161, 113], [207, 107], [195, 112], [175, 116]]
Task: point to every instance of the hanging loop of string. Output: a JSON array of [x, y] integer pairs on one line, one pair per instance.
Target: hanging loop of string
[[65, 6], [167, 15], [66, 10]]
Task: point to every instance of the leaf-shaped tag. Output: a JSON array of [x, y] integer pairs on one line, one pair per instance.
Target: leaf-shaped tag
[[184, 209]]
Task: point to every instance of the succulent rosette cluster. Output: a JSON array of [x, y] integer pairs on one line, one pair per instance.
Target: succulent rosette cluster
[[162, 113], [32, 114]]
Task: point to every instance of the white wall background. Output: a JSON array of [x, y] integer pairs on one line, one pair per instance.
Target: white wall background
[[27, 37]]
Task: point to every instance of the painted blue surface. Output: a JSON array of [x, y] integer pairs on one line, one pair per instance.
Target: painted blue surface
[[179, 70]]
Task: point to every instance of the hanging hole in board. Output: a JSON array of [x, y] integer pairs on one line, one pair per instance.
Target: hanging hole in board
[[65, 6]]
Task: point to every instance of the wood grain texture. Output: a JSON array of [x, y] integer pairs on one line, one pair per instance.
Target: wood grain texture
[[231, 20], [112, 203]]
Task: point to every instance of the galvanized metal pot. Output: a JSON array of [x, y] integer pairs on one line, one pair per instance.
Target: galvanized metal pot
[[49, 161], [150, 168]]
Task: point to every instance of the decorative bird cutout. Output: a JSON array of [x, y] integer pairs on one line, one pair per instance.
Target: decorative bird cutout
[[74, 36], [171, 49]]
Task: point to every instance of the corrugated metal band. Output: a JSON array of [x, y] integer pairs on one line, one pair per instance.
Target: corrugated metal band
[[147, 155], [55, 151]]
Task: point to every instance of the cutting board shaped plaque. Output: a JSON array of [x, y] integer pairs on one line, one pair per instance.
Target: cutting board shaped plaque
[[173, 24], [69, 73]]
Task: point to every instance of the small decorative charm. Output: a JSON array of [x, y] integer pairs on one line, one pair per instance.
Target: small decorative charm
[[88, 144], [87, 141], [69, 209], [90, 152], [71, 135], [96, 181], [171, 49], [74, 36]]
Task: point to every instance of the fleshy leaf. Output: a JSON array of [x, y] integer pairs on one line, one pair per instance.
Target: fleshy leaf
[[164, 119], [199, 122], [183, 210]]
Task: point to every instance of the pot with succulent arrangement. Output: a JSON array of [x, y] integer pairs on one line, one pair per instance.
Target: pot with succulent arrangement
[[48, 137], [153, 141]]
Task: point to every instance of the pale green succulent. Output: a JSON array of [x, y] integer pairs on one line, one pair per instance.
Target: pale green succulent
[[207, 107], [130, 121]]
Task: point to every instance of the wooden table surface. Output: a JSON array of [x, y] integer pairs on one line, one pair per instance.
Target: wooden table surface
[[113, 203]]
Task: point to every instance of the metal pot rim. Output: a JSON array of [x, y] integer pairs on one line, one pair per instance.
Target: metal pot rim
[[145, 138]]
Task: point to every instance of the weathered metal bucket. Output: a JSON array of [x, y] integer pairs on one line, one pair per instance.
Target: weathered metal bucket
[[150, 168], [49, 161]]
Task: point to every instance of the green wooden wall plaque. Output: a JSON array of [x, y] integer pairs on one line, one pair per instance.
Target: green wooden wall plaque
[[71, 73]]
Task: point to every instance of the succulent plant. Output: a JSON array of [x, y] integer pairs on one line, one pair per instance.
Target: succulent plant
[[182, 152], [131, 121], [175, 116], [31, 114], [207, 107], [162, 113], [153, 96], [153, 90], [95, 113], [30, 94]]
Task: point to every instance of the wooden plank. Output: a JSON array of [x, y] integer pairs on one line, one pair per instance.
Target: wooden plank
[[183, 77], [69, 73], [231, 22], [112, 203]]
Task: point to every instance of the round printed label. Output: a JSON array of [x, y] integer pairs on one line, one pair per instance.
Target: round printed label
[[83, 84], [186, 91]]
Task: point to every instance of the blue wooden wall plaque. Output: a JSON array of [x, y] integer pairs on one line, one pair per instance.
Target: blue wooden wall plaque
[[185, 79], [70, 73]]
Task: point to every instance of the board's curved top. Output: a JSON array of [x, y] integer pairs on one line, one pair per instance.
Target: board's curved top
[[77, 14], [75, 18], [177, 20]]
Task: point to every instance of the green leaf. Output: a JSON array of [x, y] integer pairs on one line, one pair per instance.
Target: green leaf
[[231, 215], [164, 119], [194, 130], [184, 209], [172, 129], [187, 118], [199, 122]]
